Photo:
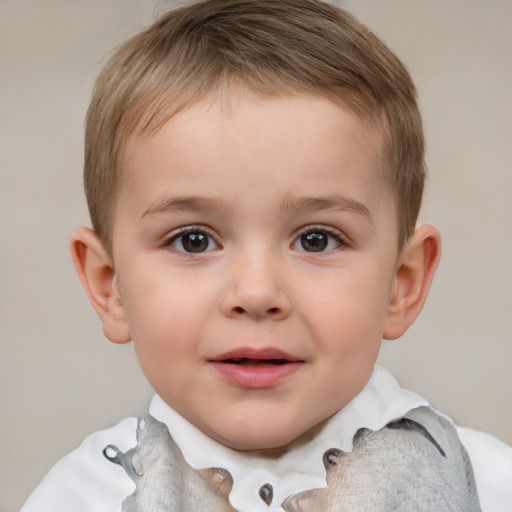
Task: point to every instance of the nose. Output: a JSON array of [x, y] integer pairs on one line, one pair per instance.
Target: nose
[[256, 289]]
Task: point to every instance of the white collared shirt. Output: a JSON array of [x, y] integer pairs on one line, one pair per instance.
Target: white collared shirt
[[85, 481]]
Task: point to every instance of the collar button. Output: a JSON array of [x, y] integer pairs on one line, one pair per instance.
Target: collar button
[[266, 493]]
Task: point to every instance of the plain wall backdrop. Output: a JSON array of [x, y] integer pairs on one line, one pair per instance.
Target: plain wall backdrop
[[61, 380]]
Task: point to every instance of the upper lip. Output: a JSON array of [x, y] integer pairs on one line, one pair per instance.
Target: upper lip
[[261, 354]]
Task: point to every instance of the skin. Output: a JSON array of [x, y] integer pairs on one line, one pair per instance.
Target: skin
[[251, 180]]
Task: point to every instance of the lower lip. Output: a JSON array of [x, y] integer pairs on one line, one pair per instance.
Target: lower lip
[[255, 377]]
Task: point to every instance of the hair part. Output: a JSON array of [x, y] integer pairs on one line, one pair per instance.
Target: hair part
[[267, 47]]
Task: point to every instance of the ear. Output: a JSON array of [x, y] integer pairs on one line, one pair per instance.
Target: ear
[[95, 269], [415, 270]]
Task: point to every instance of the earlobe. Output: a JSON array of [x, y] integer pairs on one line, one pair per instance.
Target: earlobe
[[415, 270], [95, 269]]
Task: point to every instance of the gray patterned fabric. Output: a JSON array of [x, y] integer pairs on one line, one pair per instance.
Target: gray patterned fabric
[[416, 463]]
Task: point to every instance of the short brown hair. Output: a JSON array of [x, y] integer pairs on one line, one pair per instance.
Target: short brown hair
[[270, 47]]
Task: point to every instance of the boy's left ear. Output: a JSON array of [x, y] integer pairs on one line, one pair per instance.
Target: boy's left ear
[[415, 270]]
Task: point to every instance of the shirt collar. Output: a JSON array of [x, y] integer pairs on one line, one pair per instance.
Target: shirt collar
[[301, 468]]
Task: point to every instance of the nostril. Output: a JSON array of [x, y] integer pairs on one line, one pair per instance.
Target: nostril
[[270, 311]]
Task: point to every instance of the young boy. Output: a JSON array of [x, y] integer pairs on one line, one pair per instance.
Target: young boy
[[254, 171]]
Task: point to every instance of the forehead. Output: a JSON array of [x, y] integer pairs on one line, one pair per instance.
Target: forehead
[[246, 121], [305, 142]]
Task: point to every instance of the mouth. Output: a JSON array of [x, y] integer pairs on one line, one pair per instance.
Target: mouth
[[262, 368], [256, 357], [246, 361]]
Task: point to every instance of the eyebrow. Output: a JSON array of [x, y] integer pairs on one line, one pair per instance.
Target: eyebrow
[[332, 202], [288, 204], [185, 204]]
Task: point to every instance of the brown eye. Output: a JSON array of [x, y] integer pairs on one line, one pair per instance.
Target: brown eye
[[314, 242], [317, 240], [193, 242]]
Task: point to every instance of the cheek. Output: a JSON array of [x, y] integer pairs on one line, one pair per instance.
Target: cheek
[[165, 338], [347, 325], [154, 314], [352, 306], [160, 296], [167, 311]]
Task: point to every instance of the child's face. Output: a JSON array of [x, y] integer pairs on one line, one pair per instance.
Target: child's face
[[255, 251]]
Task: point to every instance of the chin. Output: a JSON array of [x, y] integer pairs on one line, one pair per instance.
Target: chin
[[267, 443], [256, 438]]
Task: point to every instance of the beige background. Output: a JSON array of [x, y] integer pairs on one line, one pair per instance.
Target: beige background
[[60, 380]]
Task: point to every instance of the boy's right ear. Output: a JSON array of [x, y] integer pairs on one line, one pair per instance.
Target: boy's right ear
[[95, 269]]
